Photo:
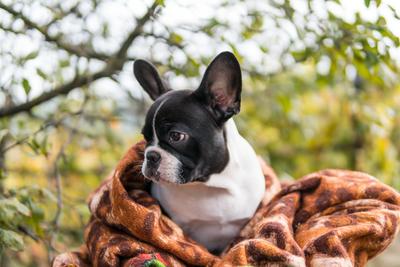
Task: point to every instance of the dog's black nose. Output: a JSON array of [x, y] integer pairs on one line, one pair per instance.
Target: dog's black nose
[[153, 157]]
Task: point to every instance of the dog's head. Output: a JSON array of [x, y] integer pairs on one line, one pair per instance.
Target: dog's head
[[184, 129]]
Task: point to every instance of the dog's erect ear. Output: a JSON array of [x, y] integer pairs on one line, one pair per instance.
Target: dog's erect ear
[[221, 87], [149, 79]]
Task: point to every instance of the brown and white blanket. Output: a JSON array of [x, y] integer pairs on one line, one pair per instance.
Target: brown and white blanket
[[327, 218]]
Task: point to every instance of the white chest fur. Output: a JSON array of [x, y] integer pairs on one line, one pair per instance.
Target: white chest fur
[[213, 213]]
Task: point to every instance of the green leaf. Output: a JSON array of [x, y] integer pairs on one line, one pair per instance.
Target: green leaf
[[394, 12], [105, 30], [367, 2], [31, 55], [176, 38], [264, 49], [26, 85], [44, 145], [154, 263], [301, 55], [41, 74], [37, 193], [236, 52], [381, 22], [160, 2], [11, 239], [13, 203], [34, 145], [3, 134], [64, 63]]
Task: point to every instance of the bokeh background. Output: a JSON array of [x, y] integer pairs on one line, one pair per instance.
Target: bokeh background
[[321, 89]]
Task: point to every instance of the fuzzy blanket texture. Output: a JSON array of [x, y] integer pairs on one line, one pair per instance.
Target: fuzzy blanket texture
[[327, 218]]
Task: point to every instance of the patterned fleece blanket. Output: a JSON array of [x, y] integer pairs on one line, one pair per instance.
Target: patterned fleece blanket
[[327, 218]]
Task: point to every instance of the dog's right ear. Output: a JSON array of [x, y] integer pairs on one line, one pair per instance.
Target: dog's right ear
[[221, 87], [149, 79]]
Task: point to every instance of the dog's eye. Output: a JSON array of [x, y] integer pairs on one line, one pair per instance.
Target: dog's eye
[[175, 137]]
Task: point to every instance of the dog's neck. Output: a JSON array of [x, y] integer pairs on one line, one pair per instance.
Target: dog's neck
[[239, 150], [213, 212]]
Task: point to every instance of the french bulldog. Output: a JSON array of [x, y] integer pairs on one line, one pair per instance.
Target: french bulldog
[[204, 174]]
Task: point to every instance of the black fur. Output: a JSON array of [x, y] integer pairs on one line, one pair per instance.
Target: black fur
[[200, 114]]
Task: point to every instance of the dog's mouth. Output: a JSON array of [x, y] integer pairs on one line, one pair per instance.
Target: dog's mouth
[[155, 176], [151, 174]]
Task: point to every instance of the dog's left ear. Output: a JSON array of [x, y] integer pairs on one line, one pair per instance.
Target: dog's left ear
[[148, 77], [221, 87]]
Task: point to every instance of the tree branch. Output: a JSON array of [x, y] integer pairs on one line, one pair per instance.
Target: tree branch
[[76, 50], [44, 126], [63, 14], [57, 176], [60, 90], [166, 39], [115, 64], [136, 32]]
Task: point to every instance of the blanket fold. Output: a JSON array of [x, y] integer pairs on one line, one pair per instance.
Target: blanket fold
[[327, 218]]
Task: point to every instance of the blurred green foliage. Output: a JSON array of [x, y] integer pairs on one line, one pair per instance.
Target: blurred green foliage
[[321, 90], [302, 125]]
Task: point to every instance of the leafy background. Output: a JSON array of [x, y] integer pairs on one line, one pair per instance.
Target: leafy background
[[321, 90]]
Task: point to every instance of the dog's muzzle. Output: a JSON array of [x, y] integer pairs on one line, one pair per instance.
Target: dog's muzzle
[[153, 159]]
